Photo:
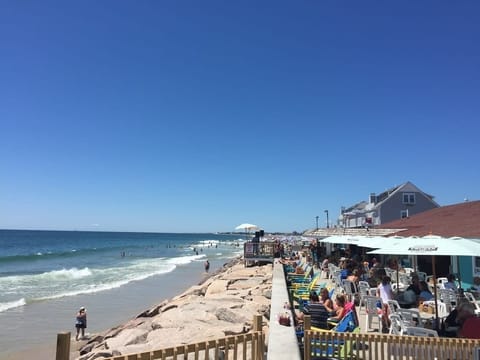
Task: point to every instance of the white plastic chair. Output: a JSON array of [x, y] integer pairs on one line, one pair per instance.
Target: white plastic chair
[[441, 306], [349, 288], [393, 306], [397, 326], [449, 297], [363, 290], [416, 331], [411, 317], [472, 299], [373, 312], [441, 282]]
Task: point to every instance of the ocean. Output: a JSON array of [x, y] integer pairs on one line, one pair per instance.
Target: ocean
[[46, 275]]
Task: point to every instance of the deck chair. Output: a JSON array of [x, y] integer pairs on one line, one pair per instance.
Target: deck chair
[[348, 323], [305, 282], [324, 349], [305, 276], [319, 315], [302, 292]]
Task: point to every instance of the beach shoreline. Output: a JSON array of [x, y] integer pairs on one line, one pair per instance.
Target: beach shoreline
[[37, 338], [223, 303]]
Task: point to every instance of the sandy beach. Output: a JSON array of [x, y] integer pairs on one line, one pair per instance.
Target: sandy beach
[[221, 305], [33, 329], [119, 307]]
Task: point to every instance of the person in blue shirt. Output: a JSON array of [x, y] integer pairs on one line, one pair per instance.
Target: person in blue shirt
[[450, 284], [425, 294]]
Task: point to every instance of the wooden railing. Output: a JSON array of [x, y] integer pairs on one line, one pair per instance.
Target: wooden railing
[[381, 347], [250, 346], [259, 251]]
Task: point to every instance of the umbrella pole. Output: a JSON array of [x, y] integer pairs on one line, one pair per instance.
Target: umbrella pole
[[458, 272], [435, 292], [398, 285]]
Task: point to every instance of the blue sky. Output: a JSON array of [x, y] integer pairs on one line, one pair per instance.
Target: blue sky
[[186, 116]]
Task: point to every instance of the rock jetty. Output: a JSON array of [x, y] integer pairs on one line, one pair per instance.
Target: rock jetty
[[222, 305]]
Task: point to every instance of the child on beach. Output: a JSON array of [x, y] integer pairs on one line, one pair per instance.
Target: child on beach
[[81, 322], [207, 266]]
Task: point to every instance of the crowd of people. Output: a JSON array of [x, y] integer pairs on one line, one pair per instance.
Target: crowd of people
[[461, 321]]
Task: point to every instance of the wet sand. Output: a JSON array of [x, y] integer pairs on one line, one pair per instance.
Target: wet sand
[[31, 331]]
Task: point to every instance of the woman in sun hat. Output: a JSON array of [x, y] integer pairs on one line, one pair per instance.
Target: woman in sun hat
[[81, 321]]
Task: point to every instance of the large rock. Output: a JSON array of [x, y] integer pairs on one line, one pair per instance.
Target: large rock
[[217, 287], [127, 337], [222, 305], [245, 283]]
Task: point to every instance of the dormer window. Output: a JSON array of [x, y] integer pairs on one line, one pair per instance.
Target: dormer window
[[409, 198]]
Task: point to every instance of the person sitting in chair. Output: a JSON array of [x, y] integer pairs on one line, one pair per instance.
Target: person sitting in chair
[[339, 309], [450, 284], [425, 294], [325, 299]]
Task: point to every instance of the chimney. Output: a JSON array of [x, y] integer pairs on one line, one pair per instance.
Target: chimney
[[373, 198]]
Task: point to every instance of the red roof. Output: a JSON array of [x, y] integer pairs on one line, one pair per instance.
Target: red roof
[[453, 220]]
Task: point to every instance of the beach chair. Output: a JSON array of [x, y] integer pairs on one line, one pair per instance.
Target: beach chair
[[302, 291], [291, 274], [318, 314], [335, 348]]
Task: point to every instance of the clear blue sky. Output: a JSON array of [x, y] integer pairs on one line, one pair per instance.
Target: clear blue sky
[[186, 116]]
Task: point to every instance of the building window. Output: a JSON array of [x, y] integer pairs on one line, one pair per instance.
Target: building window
[[403, 214], [476, 266], [409, 198]]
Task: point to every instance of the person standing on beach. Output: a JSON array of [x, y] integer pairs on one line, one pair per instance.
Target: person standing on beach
[[81, 322], [207, 266]]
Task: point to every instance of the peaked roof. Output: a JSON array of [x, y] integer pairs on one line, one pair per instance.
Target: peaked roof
[[461, 219], [365, 206], [408, 186]]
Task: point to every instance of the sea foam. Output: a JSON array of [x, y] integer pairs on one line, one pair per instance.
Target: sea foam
[[12, 304]]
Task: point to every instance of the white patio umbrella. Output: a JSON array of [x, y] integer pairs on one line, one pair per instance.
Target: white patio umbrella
[[247, 227], [363, 241], [430, 245]]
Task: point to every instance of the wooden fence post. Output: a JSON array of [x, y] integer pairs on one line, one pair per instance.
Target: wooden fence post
[[307, 322], [257, 322], [63, 346], [257, 326]]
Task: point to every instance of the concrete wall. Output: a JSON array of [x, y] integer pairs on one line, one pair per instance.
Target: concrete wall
[[282, 341]]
